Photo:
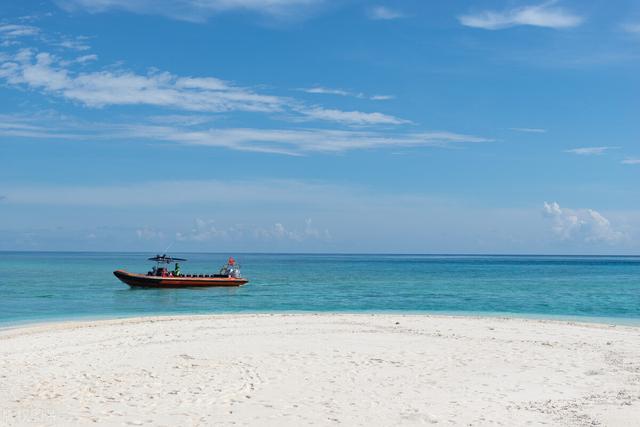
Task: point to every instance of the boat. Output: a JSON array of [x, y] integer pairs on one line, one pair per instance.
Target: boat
[[161, 277]]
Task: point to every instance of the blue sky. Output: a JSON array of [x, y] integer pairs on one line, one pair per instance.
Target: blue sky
[[320, 126]]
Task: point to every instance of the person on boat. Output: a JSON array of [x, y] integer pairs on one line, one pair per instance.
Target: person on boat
[[176, 270], [230, 269]]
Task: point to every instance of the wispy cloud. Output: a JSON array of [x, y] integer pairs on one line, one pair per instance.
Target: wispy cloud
[[341, 92], [16, 34], [102, 88], [107, 87], [195, 10], [86, 58], [329, 91], [297, 141], [83, 59], [384, 13], [631, 28], [381, 97], [631, 161], [357, 118], [16, 30], [35, 126], [202, 231], [590, 151], [116, 86], [585, 225], [280, 232], [542, 15], [207, 230], [148, 233], [184, 120], [193, 130], [529, 130], [74, 43]]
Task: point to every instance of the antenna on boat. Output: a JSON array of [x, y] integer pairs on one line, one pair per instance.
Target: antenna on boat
[[169, 247]]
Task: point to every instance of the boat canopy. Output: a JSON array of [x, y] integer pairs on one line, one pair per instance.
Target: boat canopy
[[164, 259]]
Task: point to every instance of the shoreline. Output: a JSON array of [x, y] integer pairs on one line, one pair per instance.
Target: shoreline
[[562, 319], [357, 369]]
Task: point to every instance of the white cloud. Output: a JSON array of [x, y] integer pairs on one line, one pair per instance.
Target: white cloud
[[584, 225], [11, 33], [202, 231], [102, 88], [280, 232], [311, 231], [148, 233], [529, 130], [328, 91], [206, 83], [384, 13], [543, 15], [84, 59], [297, 141], [185, 120], [351, 117], [16, 30], [589, 151], [631, 161], [207, 230], [195, 10], [34, 126], [191, 130], [73, 43], [45, 72], [360, 218], [341, 92]]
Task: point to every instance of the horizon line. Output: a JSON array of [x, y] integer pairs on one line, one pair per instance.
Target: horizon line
[[467, 254]]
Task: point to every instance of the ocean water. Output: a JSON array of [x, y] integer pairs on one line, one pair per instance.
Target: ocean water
[[42, 286]]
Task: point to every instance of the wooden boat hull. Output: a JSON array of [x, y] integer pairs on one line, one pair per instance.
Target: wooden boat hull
[[144, 281]]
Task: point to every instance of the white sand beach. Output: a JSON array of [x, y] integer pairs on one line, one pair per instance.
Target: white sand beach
[[300, 369]]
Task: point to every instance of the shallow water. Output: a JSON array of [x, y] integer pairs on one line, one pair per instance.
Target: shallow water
[[44, 286]]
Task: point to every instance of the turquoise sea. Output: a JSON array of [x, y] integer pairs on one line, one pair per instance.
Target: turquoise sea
[[40, 286]]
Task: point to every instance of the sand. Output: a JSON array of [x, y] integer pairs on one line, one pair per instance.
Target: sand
[[327, 369]]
